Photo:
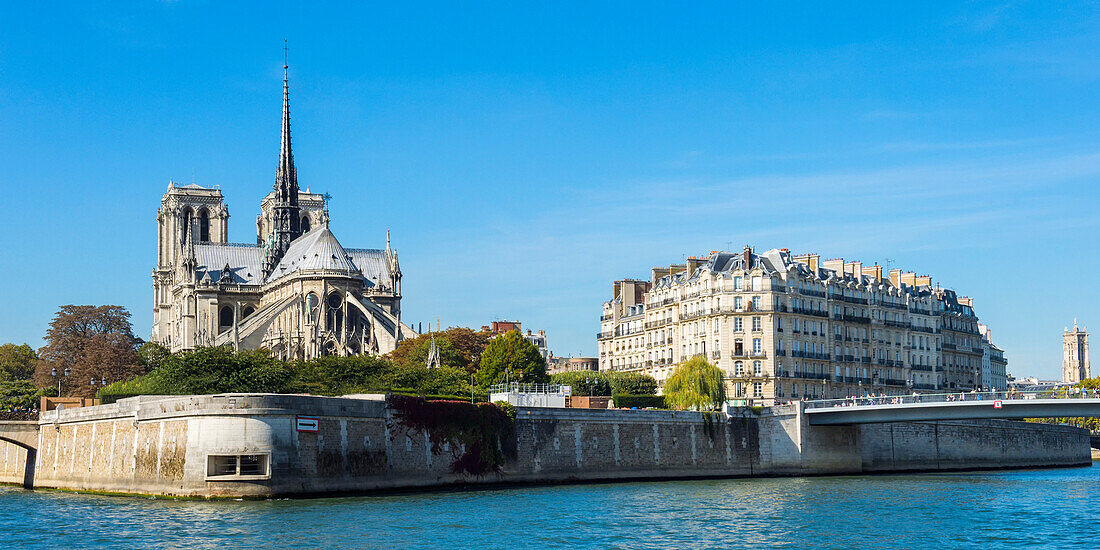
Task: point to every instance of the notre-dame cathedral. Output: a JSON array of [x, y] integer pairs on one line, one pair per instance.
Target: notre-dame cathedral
[[296, 291]]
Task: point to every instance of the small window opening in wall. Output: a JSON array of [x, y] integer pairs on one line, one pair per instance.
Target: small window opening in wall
[[237, 466]]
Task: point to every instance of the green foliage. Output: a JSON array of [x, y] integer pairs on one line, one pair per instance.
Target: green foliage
[[697, 385], [633, 383], [459, 347], [507, 407], [17, 362], [625, 401], [19, 394], [153, 355], [589, 383], [222, 370], [511, 356], [584, 383], [476, 434]]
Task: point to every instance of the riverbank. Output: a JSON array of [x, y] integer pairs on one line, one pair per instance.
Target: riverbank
[[263, 446]]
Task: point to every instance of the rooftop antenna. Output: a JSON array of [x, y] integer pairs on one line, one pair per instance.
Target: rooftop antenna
[[889, 263]]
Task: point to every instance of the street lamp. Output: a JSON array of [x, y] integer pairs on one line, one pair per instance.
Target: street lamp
[[53, 372]]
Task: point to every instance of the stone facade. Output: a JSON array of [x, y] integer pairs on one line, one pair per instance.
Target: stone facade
[[1075, 355], [786, 327]]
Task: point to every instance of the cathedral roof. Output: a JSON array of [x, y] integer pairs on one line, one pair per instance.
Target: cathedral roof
[[245, 263], [316, 250]]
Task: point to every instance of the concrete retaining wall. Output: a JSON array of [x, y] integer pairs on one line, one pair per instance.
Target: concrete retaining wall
[[152, 445], [971, 444]]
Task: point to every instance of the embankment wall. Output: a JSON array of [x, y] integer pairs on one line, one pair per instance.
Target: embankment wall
[[164, 446]]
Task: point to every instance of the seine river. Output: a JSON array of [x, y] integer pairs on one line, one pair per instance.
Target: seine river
[[1046, 508]]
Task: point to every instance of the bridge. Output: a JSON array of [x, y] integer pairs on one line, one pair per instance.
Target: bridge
[[18, 466], [950, 406]]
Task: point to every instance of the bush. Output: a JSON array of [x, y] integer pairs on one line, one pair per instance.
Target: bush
[[633, 383], [584, 383], [222, 370], [19, 394], [625, 401], [590, 383]]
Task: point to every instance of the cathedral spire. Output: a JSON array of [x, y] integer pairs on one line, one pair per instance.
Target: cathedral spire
[[286, 180], [287, 215]]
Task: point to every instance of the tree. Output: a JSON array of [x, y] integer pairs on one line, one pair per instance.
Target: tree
[[696, 384], [511, 356], [17, 362], [585, 383], [153, 355], [18, 394], [633, 383], [90, 343], [459, 347]]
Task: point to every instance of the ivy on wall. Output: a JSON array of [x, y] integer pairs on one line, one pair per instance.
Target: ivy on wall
[[476, 434]]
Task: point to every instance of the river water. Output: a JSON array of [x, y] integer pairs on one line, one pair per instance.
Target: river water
[[1005, 509]]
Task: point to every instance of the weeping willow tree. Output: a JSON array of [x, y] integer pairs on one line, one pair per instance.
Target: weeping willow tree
[[696, 385]]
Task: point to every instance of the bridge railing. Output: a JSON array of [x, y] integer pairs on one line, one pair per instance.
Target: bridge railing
[[950, 398]]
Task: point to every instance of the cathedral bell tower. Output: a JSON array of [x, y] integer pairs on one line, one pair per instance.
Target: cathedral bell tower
[[288, 224]]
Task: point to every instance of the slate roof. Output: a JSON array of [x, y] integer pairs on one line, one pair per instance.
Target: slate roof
[[245, 263], [318, 249]]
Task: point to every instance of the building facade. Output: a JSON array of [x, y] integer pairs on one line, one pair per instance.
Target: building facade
[[786, 327], [297, 291], [994, 365], [1075, 355], [572, 364]]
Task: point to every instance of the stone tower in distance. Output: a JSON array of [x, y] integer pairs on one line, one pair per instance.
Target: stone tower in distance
[[1075, 354]]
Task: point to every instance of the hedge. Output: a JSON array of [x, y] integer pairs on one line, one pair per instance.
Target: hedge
[[624, 401]]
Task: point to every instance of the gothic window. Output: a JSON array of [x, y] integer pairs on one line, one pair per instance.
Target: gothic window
[[334, 318], [312, 306], [305, 224], [204, 226], [185, 224], [248, 310], [225, 317]]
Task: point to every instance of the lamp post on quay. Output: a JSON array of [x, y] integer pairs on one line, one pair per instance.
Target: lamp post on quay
[[53, 372]]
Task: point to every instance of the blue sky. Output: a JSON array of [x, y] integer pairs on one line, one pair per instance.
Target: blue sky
[[524, 157]]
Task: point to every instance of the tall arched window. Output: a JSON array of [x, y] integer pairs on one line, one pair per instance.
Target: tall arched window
[[334, 318], [312, 307], [185, 224], [225, 317], [204, 226], [305, 224]]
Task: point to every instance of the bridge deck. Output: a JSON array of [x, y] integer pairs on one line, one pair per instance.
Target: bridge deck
[[1010, 409]]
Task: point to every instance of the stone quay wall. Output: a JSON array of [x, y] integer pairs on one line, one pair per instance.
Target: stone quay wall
[[169, 446], [971, 444]]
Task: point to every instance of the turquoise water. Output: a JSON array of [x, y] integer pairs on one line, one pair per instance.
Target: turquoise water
[[1048, 508]]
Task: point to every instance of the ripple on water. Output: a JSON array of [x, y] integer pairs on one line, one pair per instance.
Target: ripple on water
[[1049, 508]]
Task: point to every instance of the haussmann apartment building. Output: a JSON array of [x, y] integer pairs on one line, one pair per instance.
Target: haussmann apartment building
[[785, 327]]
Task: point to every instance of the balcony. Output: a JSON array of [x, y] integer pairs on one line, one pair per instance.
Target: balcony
[[852, 318], [814, 293], [805, 311]]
